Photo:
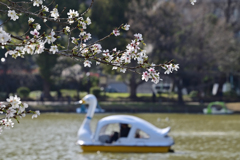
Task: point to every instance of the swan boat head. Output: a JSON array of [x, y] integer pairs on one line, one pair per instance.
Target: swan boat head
[[85, 133]]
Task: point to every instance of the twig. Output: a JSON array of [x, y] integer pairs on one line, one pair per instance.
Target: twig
[[88, 8], [5, 21]]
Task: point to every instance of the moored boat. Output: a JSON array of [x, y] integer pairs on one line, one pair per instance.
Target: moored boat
[[217, 108]]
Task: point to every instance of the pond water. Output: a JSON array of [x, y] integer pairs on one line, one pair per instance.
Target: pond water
[[52, 136]]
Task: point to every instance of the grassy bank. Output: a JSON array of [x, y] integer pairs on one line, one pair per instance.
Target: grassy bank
[[35, 95]]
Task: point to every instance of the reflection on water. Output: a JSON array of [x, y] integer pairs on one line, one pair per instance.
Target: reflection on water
[[53, 136]]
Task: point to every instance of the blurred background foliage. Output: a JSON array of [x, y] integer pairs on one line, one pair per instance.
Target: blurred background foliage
[[203, 39]]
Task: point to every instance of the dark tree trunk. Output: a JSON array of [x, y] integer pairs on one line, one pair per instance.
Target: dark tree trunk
[[46, 63], [179, 87], [228, 11], [133, 87], [133, 91], [133, 84], [46, 90]]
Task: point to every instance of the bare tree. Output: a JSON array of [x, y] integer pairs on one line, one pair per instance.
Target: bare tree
[[194, 38]]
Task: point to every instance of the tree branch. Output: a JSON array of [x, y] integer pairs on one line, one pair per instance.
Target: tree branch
[[88, 8]]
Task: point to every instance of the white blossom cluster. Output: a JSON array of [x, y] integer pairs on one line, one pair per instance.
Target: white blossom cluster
[[36, 43], [82, 26], [132, 52], [37, 2], [4, 36], [151, 73], [170, 68], [54, 13], [12, 15], [116, 32], [6, 123], [13, 109]]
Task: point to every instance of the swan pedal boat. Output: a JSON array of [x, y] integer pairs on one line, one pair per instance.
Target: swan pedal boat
[[157, 140]]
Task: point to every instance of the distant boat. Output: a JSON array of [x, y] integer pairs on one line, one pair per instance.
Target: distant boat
[[83, 109], [217, 108], [135, 135]]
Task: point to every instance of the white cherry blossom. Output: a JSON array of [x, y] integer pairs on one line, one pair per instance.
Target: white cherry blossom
[[96, 48], [123, 70], [126, 27], [87, 37], [145, 76], [84, 25], [175, 67], [140, 60], [30, 48], [87, 63], [10, 112], [13, 15], [4, 38], [54, 49], [88, 20], [138, 36], [116, 32], [50, 39], [114, 67], [30, 20], [10, 52], [35, 33], [73, 40], [8, 123], [37, 113], [170, 68], [54, 13], [37, 2], [14, 101], [82, 33], [40, 47], [46, 9], [22, 108], [72, 13], [67, 29], [70, 21], [38, 26]]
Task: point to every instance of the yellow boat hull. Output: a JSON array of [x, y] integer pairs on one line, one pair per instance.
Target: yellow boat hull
[[136, 149]]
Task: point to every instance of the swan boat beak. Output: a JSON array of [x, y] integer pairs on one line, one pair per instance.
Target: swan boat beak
[[82, 102]]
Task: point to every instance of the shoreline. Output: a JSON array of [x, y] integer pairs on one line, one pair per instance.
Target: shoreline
[[114, 107]]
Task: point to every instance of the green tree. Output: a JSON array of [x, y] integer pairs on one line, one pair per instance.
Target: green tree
[[112, 13], [46, 62]]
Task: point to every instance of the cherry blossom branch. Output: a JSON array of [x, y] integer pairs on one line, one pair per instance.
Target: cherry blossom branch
[[102, 38], [24, 2], [14, 109], [33, 42]]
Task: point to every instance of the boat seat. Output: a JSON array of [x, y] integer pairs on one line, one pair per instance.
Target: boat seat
[[104, 138]]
